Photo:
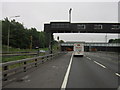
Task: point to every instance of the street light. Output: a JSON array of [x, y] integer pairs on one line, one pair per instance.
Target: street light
[[70, 15], [106, 41], [14, 16], [9, 31]]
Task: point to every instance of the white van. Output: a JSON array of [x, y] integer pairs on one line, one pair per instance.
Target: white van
[[79, 49]]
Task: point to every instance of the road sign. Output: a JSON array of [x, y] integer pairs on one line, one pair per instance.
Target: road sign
[[67, 27]]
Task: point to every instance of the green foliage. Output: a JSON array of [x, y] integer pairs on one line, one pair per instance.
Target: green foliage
[[114, 41], [20, 37], [61, 41], [14, 58], [4, 49], [15, 50]]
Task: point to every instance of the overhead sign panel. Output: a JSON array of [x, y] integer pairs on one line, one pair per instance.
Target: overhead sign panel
[[67, 27]]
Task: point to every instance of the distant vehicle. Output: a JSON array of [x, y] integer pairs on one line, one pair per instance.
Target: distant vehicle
[[42, 51], [79, 49], [69, 49]]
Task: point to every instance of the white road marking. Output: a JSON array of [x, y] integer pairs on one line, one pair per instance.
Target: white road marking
[[97, 56], [66, 75], [117, 74], [88, 58], [100, 64]]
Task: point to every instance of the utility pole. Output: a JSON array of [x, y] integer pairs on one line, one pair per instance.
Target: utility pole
[[8, 41], [106, 38], [106, 41], [119, 12], [8, 37], [50, 43], [70, 15], [31, 42], [58, 43]]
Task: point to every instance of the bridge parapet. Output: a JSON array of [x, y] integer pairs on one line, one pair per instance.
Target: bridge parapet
[[94, 44]]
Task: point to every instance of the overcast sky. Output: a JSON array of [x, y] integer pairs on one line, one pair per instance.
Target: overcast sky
[[35, 14]]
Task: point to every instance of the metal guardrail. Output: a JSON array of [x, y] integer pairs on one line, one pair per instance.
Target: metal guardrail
[[17, 52], [12, 68], [24, 54]]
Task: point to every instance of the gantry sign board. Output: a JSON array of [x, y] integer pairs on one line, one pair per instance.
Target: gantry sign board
[[67, 27]]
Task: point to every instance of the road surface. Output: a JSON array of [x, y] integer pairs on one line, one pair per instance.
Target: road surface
[[94, 70]]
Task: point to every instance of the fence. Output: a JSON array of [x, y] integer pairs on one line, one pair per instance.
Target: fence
[[13, 68]]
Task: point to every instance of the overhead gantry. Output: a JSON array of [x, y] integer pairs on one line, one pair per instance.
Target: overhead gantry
[[67, 27]]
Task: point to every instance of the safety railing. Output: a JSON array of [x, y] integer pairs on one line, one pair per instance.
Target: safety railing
[[11, 69]]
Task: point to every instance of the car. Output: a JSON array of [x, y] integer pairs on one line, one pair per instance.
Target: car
[[42, 51]]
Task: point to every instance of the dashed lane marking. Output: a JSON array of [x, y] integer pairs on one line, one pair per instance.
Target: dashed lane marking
[[88, 58], [100, 64], [117, 74], [67, 74]]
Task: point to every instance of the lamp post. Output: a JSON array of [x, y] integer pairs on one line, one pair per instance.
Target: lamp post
[[58, 43], [106, 41], [31, 42], [9, 33], [106, 38], [70, 15]]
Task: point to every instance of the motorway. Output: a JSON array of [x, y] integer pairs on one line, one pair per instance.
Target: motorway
[[94, 70]]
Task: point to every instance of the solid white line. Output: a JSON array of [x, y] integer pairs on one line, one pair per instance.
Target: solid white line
[[97, 56], [117, 74], [66, 75], [100, 64], [88, 58]]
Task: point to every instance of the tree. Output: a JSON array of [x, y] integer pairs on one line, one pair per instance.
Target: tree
[[5, 25], [61, 41], [114, 41], [111, 40], [20, 36]]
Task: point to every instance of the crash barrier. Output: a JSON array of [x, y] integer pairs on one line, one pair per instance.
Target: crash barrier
[[22, 54], [11, 54], [11, 69]]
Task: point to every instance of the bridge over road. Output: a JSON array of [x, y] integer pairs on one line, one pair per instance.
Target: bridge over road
[[94, 70], [113, 47]]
